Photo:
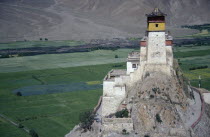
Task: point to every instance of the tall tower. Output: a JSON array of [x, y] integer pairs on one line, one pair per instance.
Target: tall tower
[[156, 46]]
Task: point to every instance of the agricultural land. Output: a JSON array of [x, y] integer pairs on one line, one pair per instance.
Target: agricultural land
[[47, 92]]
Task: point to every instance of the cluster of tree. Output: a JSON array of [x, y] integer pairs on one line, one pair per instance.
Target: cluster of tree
[[19, 93], [20, 126], [33, 133], [122, 114], [27, 118], [4, 56], [117, 65], [18, 55], [198, 27], [199, 67], [86, 120], [41, 39], [124, 132], [113, 48], [194, 43]]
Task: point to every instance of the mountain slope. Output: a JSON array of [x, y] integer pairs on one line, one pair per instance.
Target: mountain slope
[[89, 19]]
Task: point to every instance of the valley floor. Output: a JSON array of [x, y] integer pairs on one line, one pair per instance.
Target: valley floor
[[59, 112]]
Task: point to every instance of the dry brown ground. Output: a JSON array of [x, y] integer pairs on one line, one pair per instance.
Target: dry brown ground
[[93, 19]]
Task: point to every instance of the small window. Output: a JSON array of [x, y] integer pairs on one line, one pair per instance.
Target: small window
[[156, 25], [134, 65]]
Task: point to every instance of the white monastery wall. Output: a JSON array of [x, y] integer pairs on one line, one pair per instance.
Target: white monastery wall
[[108, 88], [169, 55], [129, 68], [109, 105], [149, 68], [156, 48], [143, 54], [113, 94], [122, 80], [135, 76]]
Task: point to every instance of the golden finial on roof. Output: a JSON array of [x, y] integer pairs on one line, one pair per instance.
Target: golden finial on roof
[[156, 12]]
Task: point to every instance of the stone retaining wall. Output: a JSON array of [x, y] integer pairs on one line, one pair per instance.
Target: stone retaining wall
[[117, 124]]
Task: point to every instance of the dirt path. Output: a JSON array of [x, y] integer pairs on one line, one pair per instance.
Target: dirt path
[[195, 110]]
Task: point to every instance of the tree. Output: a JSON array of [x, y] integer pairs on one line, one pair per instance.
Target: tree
[[121, 114], [19, 93], [116, 56], [40, 39], [33, 133], [158, 118], [46, 39], [124, 131], [86, 120], [20, 126]]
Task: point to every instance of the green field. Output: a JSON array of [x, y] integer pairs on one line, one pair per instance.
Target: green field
[[52, 112], [50, 61], [55, 113], [58, 111], [195, 56], [30, 44]]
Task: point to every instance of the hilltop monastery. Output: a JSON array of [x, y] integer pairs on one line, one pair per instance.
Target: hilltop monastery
[[155, 55]]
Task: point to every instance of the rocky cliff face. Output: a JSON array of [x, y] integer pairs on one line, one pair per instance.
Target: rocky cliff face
[[158, 107], [91, 19]]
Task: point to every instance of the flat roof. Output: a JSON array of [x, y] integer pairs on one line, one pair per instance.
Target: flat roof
[[134, 54], [114, 73]]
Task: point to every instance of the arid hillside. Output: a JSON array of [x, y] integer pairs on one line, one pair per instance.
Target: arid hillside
[[93, 19]]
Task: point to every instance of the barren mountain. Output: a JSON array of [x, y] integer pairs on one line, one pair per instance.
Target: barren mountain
[[93, 19]]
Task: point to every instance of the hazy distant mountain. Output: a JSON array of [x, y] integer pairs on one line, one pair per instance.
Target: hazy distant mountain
[[89, 19]]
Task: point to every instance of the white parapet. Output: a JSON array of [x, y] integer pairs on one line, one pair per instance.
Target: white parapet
[[117, 124], [108, 88], [206, 97], [143, 54], [156, 48]]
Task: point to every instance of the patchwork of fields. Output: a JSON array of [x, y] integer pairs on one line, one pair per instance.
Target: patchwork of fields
[[51, 112], [52, 61], [191, 57], [70, 84]]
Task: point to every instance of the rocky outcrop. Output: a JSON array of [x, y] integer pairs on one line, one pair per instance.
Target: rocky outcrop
[[156, 108]]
